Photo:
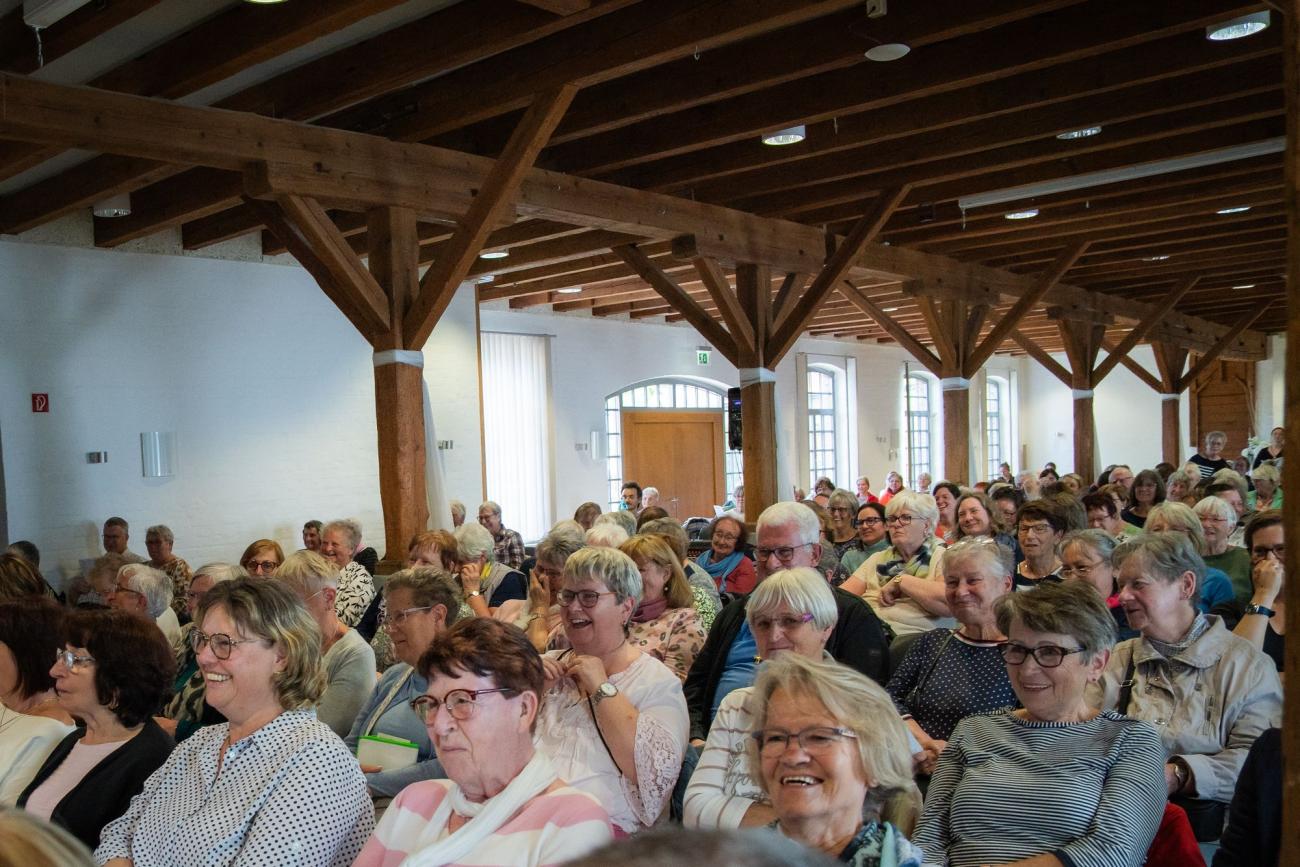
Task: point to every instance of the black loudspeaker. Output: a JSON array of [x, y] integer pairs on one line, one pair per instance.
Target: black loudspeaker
[[733, 419]]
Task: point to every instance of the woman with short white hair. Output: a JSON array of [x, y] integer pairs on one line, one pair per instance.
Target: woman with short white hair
[[486, 583], [1267, 495], [356, 589], [1218, 521], [606, 535], [148, 592], [904, 582], [158, 540]]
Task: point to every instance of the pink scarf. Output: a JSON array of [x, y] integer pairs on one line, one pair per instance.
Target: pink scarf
[[647, 611]]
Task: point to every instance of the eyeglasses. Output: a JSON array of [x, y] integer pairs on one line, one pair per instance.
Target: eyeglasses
[[785, 553], [120, 589], [1083, 570], [71, 661], [1261, 552], [867, 522], [787, 623], [838, 510], [1036, 529], [460, 703], [256, 567], [586, 598], [817, 740], [221, 643], [726, 537], [397, 618], [900, 520], [1213, 519], [1047, 655]]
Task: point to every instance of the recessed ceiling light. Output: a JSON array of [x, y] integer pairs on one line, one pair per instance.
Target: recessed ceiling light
[[1236, 28], [1245, 286], [114, 206], [1162, 257], [887, 52], [570, 290], [1082, 132], [494, 254], [788, 136], [1239, 209], [486, 278], [890, 309], [1026, 214]]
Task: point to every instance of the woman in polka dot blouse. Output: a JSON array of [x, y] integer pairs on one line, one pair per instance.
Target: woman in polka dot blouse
[[273, 785]]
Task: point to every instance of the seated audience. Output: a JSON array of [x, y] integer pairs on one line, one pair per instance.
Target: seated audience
[[507, 545], [650, 498], [311, 535], [946, 495], [1210, 692], [338, 542], [1268, 489], [1056, 781], [725, 560], [978, 517], [1086, 556], [27, 841], [98, 583], [1210, 458], [1253, 836], [1232, 490], [950, 674], [262, 557], [146, 591], [539, 614], [1007, 500], [432, 548], [1262, 621], [187, 712], [1073, 483], [586, 515], [664, 623], [19, 578], [870, 526], [631, 497], [111, 676], [487, 583], [649, 513], [1215, 586], [607, 533], [346, 658], [787, 539], [31, 720], [457, 513], [1104, 514], [862, 488], [116, 535], [1148, 490], [832, 756], [703, 590], [904, 583], [613, 720], [288, 791], [792, 611], [843, 537], [1218, 521], [829, 564], [422, 603], [623, 518], [27, 551], [158, 541], [1040, 526], [504, 802]]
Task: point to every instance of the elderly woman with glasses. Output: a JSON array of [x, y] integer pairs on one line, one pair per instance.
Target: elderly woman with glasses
[[1210, 693], [614, 719], [1040, 525], [1086, 556], [503, 801], [842, 536], [831, 755], [725, 559], [665, 623], [870, 524], [539, 615], [110, 675], [904, 582], [262, 558], [1215, 586], [1218, 520], [792, 611], [1056, 781], [949, 674], [1262, 622], [187, 712], [339, 541], [422, 603], [273, 785]]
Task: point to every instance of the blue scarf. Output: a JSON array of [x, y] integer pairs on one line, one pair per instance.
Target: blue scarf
[[721, 569]]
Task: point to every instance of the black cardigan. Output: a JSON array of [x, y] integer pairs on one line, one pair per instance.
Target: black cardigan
[[857, 641], [103, 794]]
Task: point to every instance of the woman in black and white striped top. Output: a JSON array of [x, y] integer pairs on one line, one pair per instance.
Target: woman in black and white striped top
[[1057, 782]]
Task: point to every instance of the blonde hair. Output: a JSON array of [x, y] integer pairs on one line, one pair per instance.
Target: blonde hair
[[26, 840], [655, 549], [857, 703], [307, 573]]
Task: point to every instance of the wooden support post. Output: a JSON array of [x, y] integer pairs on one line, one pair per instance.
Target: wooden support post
[[1290, 842], [1082, 340], [399, 387], [1118, 353], [757, 392], [1170, 361], [956, 430]]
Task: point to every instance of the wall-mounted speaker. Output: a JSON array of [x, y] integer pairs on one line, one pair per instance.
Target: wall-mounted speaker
[[734, 437]]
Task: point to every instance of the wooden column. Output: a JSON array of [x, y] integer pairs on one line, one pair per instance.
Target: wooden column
[[956, 432], [1170, 361], [757, 391], [1082, 334], [399, 387], [1291, 469]]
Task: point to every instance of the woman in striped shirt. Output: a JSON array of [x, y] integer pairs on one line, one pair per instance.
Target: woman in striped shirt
[[1057, 782]]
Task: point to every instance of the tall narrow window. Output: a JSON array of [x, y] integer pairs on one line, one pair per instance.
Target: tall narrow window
[[821, 426], [516, 429], [920, 436], [995, 424]]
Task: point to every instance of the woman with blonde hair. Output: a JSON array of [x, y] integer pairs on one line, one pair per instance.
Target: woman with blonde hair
[[665, 624], [831, 754], [1167, 517], [28, 841]]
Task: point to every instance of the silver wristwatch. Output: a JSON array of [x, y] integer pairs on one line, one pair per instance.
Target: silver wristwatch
[[604, 691]]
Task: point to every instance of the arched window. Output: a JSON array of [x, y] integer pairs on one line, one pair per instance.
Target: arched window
[[918, 421], [665, 393], [997, 423], [822, 432]]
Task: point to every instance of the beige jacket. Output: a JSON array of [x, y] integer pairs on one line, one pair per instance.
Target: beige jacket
[[1209, 703]]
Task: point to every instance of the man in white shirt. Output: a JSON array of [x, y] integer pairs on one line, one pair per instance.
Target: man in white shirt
[[147, 592]]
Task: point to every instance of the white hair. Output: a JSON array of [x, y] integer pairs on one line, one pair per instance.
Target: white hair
[[919, 504], [606, 535], [153, 584], [786, 514], [473, 541], [1216, 507]]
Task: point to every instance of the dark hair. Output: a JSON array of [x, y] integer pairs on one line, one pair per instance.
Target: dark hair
[[634, 486], [1044, 510], [651, 514], [995, 515], [1006, 491], [117, 522], [873, 505], [1073, 515], [1098, 500], [31, 629], [1148, 477], [313, 525], [27, 551], [1215, 488], [1260, 521], [18, 578], [134, 666], [486, 648], [587, 508], [950, 488], [1165, 470]]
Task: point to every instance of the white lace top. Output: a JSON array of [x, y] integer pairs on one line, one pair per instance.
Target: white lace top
[[567, 732]]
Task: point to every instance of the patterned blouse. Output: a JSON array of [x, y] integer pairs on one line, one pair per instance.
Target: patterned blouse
[[179, 571], [674, 638], [356, 590]]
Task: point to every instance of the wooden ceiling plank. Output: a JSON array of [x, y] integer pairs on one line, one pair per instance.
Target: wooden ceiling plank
[[492, 202], [680, 301], [560, 7], [18, 45], [1036, 352], [1142, 329]]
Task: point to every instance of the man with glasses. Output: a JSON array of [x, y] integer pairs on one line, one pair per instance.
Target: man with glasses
[[116, 536], [147, 592], [1259, 621], [788, 536]]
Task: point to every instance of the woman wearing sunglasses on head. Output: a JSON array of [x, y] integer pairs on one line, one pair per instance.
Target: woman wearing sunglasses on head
[[273, 785], [1055, 782], [614, 721], [503, 802]]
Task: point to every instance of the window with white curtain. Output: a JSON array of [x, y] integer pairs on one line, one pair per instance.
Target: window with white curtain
[[517, 429], [996, 424], [822, 429]]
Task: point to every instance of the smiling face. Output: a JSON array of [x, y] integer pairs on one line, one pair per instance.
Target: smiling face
[[1176, 490], [1153, 605], [426, 555], [1122, 476], [241, 686], [947, 504], [826, 787], [785, 629], [311, 538], [654, 578], [1217, 530], [490, 521], [336, 547], [411, 632], [1051, 694], [1144, 492], [871, 527], [971, 590], [1081, 563], [598, 630], [726, 535], [1037, 538], [973, 518], [1214, 447], [1233, 498]]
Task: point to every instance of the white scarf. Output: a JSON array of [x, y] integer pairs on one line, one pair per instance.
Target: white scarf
[[486, 818]]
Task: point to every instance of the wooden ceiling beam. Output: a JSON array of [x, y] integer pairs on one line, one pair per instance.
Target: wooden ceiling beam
[[560, 7], [904, 337], [680, 301], [1037, 353], [1139, 332], [1216, 351], [728, 305], [19, 47]]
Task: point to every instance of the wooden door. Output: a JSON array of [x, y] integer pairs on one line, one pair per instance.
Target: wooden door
[[680, 452], [1223, 398]]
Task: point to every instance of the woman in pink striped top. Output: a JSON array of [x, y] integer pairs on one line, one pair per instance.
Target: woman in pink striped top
[[503, 804]]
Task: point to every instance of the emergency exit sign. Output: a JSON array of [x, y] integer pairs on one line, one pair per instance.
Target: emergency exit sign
[[701, 356], [40, 403]]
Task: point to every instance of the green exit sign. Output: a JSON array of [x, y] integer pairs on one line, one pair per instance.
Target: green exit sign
[[702, 356]]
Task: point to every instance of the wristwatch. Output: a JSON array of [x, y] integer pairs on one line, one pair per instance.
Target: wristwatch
[[474, 593], [1252, 608], [604, 691]]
